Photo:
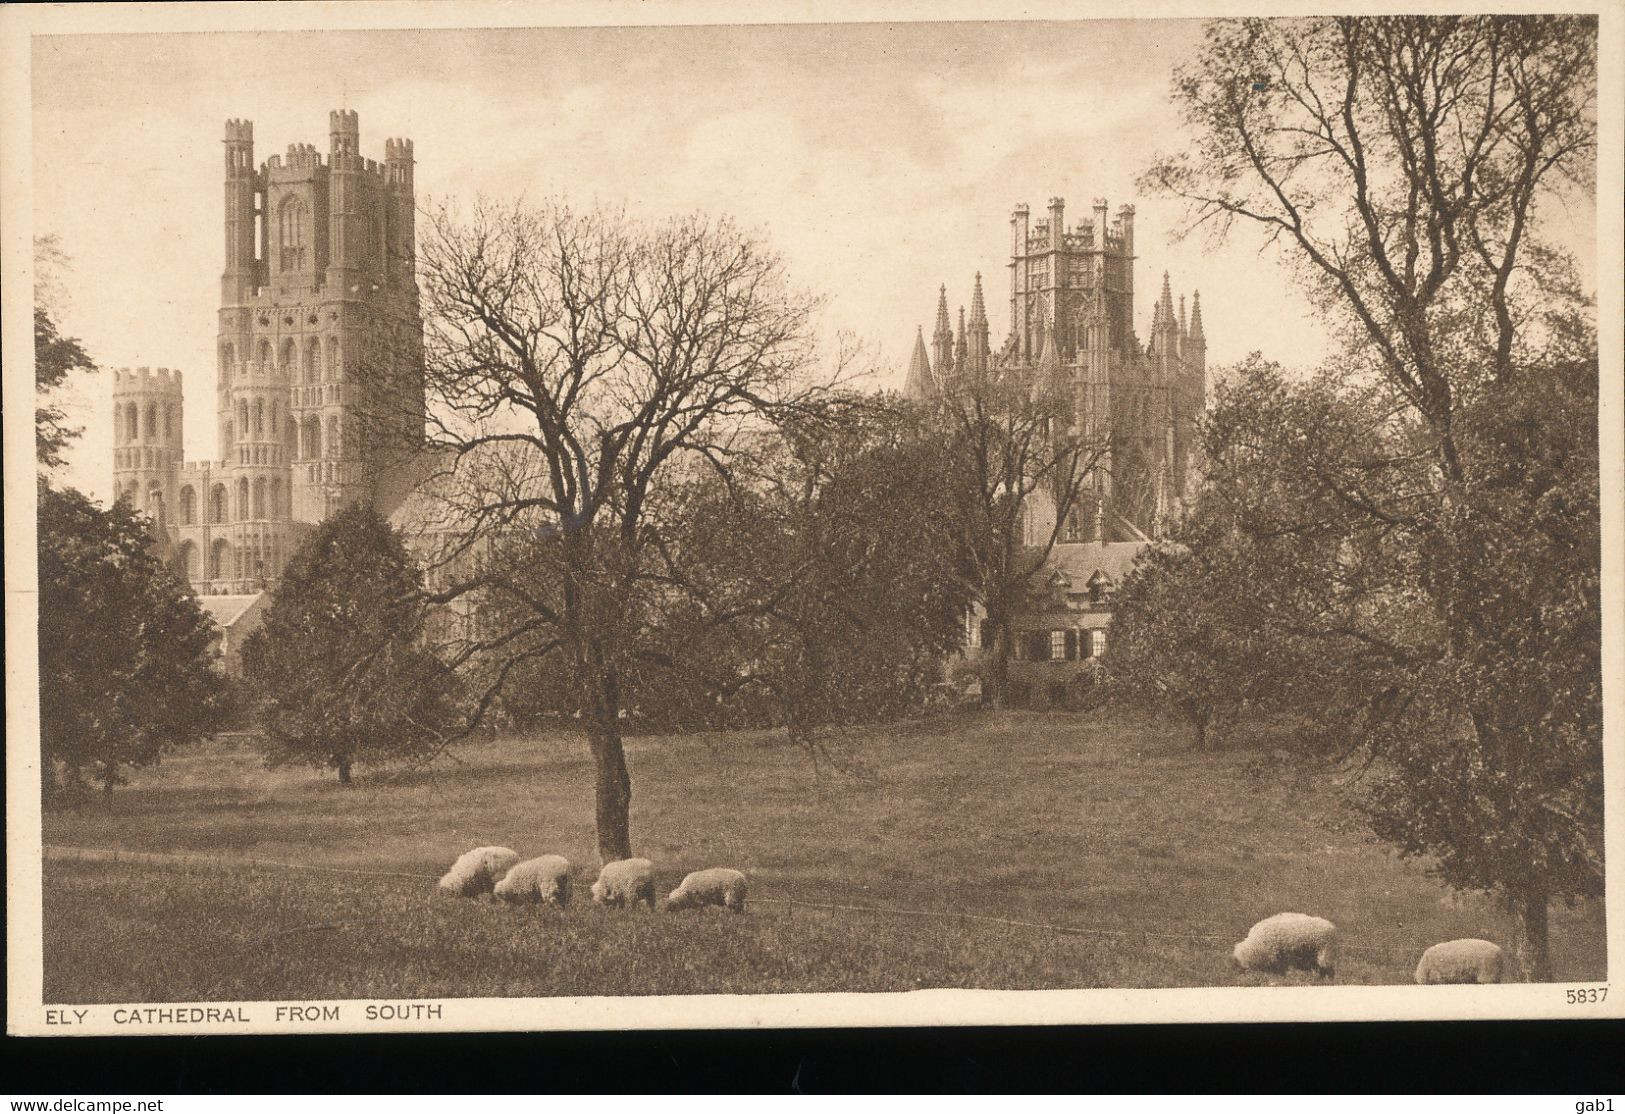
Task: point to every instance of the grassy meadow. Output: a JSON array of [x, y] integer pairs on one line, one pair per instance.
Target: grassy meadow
[[1101, 823]]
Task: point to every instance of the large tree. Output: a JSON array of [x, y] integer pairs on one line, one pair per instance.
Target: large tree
[[56, 357], [1401, 165], [125, 652], [339, 667], [1013, 445], [579, 366]]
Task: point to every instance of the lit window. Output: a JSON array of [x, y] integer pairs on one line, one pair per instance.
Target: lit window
[[1057, 645], [1097, 643]]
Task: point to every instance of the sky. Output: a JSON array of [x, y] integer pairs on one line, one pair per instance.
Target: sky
[[881, 160]]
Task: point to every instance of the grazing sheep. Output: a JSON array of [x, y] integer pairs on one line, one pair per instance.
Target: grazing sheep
[[717, 886], [477, 871], [1289, 940], [624, 883], [1456, 961], [539, 881]]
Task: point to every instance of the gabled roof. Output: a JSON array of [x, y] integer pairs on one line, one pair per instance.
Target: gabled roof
[[1079, 561], [228, 610]]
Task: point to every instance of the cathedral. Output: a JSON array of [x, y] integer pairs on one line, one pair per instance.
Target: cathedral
[[1072, 335], [1072, 330], [319, 380]]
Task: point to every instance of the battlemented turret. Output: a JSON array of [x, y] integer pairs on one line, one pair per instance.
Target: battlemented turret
[[147, 446]]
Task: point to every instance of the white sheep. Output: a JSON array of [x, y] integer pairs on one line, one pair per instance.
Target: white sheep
[[1456, 961], [1289, 940], [717, 886], [477, 871], [540, 881], [625, 882]]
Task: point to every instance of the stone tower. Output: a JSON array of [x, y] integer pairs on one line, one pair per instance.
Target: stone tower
[[1072, 332], [319, 389], [147, 450]]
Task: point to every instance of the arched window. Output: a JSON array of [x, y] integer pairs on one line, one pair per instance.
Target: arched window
[[188, 505], [293, 435], [155, 505], [265, 355], [242, 417], [259, 419], [277, 510], [186, 561], [168, 417], [217, 503], [334, 450], [259, 497], [152, 421], [242, 499], [335, 371], [294, 215], [313, 438], [313, 357], [220, 560]]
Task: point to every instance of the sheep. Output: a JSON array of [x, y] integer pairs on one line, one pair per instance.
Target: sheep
[[1456, 961], [540, 881], [477, 871], [717, 886], [1289, 940], [625, 882]]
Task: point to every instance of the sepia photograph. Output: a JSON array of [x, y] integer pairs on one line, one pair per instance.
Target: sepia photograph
[[594, 516]]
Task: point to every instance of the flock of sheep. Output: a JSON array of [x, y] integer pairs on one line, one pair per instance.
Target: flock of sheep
[[545, 880], [1290, 941], [1284, 942]]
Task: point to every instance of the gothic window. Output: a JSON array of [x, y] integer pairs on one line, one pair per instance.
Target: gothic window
[[313, 438], [217, 503], [186, 561], [242, 416], [220, 560], [188, 506], [155, 504], [265, 355], [152, 421], [131, 423], [333, 444], [259, 418], [242, 499], [259, 498], [293, 218], [276, 499], [333, 371], [168, 416], [287, 361]]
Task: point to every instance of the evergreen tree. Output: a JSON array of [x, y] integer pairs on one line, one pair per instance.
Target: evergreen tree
[[125, 659], [338, 668]]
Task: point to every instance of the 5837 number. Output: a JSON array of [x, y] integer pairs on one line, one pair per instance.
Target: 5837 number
[[1586, 995]]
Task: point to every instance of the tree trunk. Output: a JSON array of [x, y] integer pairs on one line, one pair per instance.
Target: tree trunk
[[344, 771], [611, 783], [996, 676], [1531, 905]]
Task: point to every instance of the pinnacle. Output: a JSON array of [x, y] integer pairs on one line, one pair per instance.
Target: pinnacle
[[942, 311], [1196, 316]]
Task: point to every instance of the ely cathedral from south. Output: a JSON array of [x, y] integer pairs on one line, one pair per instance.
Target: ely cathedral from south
[[319, 380], [1072, 332]]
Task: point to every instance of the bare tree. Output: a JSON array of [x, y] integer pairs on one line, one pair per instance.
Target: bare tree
[[1014, 444], [577, 366]]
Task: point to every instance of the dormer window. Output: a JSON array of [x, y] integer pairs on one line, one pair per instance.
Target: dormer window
[[1100, 586]]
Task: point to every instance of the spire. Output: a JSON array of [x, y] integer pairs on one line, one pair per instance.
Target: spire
[[1050, 373], [942, 340], [1166, 303], [917, 384], [1196, 317], [981, 352], [1183, 330], [978, 309]]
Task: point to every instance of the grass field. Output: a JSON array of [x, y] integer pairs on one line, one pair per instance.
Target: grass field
[[1109, 825]]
